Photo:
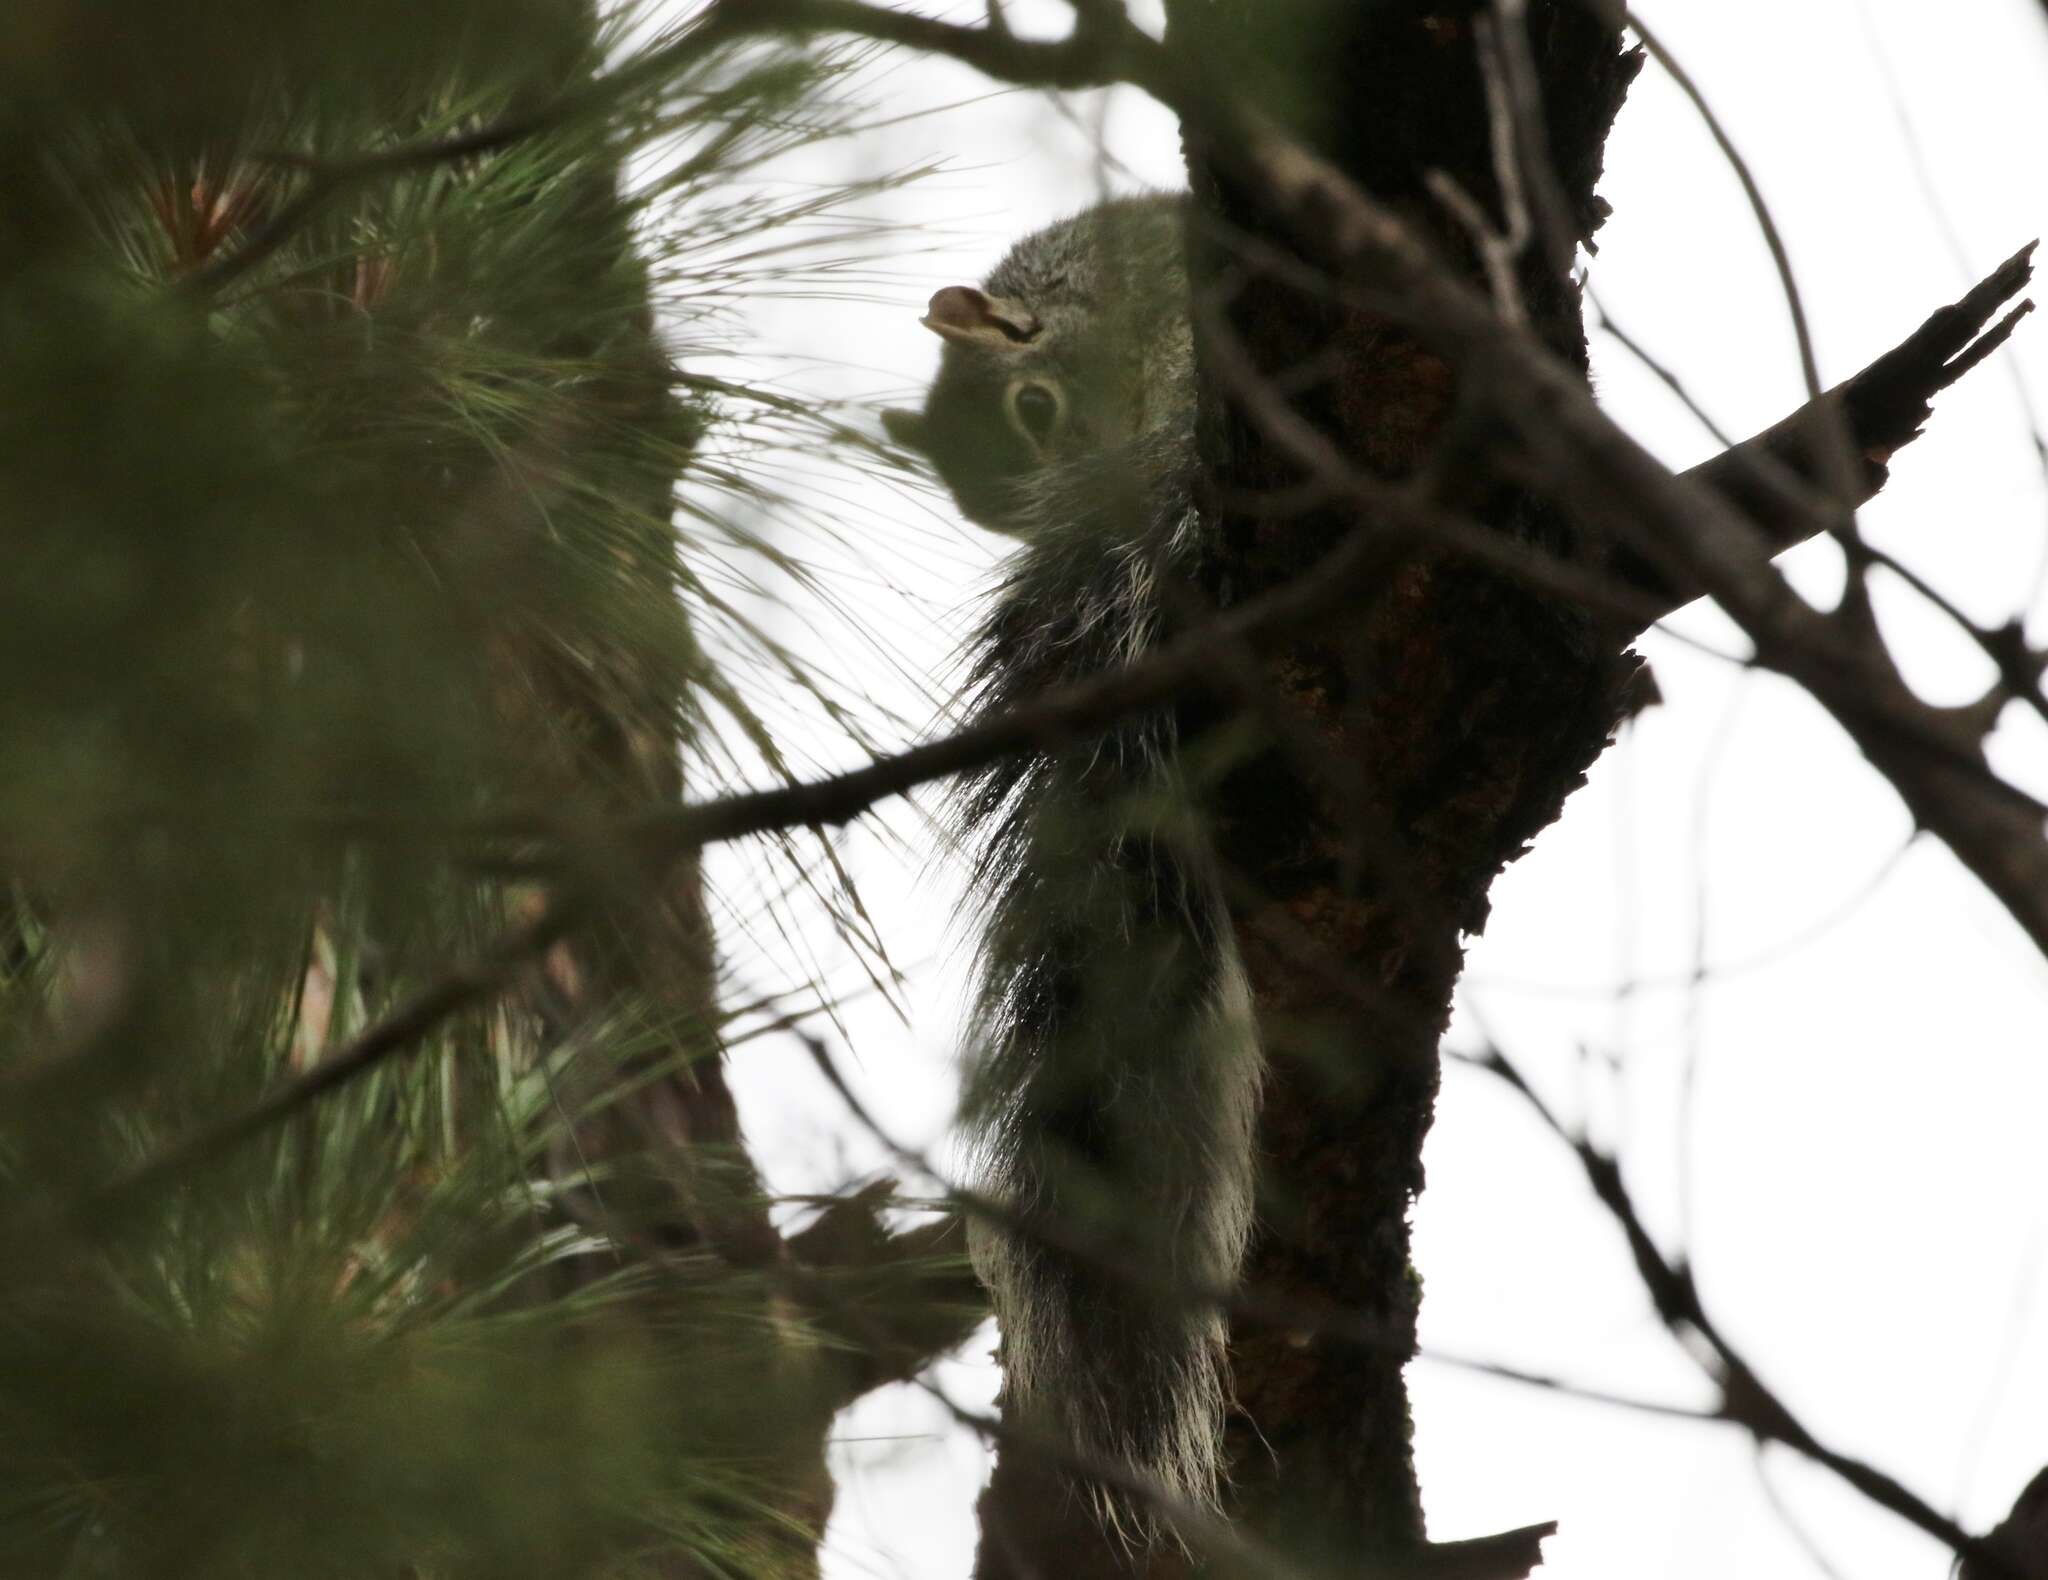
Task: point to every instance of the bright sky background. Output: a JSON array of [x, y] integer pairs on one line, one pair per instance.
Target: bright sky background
[[1861, 1177]]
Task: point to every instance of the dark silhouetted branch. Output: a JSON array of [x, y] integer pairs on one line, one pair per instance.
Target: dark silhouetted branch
[[1746, 1401]]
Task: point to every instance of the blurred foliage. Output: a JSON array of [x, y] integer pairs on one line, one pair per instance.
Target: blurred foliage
[[343, 617]]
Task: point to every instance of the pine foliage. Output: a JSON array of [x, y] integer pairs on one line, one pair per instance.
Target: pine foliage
[[345, 624]]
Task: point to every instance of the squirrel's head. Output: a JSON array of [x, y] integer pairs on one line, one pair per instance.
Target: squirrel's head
[[1076, 343]]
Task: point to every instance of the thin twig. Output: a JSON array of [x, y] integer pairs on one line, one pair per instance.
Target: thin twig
[[1521, 90], [1745, 1399], [1618, 15], [1794, 1526]]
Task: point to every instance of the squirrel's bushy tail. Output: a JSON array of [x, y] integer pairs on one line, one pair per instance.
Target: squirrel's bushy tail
[[1115, 1074]]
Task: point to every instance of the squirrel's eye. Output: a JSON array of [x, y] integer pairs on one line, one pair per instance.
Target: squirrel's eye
[[1035, 408]]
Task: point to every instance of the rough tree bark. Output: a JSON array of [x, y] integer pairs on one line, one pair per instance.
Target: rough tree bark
[[1459, 708]]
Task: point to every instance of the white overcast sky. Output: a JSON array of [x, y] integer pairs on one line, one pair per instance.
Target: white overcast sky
[[1861, 1177]]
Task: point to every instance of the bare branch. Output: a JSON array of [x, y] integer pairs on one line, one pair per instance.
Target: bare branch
[[1771, 475], [1745, 1399]]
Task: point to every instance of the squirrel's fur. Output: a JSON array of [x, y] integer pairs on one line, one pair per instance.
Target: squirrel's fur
[[1114, 1068]]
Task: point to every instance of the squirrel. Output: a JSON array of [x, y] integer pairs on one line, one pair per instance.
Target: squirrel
[[1113, 1069]]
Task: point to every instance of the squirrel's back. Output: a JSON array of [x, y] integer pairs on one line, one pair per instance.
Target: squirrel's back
[[1114, 1070]]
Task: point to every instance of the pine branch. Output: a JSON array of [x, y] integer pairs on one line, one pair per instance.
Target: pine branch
[[330, 178]]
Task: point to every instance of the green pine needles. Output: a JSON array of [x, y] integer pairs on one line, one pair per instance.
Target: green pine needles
[[346, 624]]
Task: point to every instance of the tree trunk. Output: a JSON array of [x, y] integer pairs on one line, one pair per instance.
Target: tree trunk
[[1456, 711]]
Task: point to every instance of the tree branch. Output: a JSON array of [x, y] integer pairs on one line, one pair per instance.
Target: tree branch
[[1778, 478], [1746, 1401]]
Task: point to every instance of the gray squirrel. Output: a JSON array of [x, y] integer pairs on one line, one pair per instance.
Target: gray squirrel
[[1114, 1069]]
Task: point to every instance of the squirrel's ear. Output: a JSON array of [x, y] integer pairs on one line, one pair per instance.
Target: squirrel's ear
[[907, 428], [974, 318]]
